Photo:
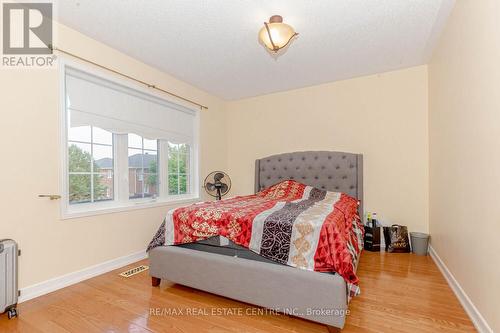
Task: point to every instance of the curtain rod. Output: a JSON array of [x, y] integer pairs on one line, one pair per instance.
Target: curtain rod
[[53, 48]]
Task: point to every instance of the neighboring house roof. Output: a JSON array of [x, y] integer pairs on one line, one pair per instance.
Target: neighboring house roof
[[104, 163], [134, 161]]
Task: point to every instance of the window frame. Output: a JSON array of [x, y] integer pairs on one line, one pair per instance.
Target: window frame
[[121, 201]]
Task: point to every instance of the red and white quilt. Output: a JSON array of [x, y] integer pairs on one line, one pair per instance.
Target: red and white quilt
[[290, 223]]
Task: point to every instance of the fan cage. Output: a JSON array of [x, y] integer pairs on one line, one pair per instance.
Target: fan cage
[[211, 177]]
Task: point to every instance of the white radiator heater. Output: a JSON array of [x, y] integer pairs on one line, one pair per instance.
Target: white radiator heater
[[8, 277]]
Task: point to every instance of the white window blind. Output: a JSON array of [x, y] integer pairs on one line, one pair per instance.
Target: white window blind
[[98, 102]]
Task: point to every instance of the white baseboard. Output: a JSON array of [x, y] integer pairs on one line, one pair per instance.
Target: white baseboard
[[477, 319], [59, 282]]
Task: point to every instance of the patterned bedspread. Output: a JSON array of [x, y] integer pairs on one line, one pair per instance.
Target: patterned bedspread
[[290, 223]]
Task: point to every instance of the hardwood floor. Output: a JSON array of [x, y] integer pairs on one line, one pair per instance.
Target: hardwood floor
[[400, 293]]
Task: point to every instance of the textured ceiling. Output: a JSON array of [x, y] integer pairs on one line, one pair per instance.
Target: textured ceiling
[[213, 44]]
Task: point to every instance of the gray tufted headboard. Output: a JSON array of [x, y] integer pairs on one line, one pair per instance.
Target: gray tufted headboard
[[328, 170]]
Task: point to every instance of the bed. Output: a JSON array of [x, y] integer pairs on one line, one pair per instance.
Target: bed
[[233, 271]]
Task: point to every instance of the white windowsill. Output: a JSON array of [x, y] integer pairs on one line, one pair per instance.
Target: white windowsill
[[85, 210]]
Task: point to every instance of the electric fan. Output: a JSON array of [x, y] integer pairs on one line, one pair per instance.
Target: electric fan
[[217, 184]]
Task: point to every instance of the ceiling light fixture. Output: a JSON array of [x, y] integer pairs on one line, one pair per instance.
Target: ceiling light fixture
[[276, 35]]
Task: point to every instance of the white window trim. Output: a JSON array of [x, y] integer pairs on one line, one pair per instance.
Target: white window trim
[[121, 169]]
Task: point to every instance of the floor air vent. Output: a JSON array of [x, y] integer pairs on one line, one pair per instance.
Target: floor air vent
[[134, 271]]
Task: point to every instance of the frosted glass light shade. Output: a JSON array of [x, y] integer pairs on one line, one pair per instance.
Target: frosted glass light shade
[[275, 35]]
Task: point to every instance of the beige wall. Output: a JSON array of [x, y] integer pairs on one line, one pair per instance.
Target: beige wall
[[464, 104], [30, 165], [384, 117]]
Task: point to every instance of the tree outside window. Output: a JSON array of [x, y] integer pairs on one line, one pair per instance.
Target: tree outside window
[[90, 165], [178, 169]]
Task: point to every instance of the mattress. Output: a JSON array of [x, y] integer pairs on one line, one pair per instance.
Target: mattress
[[223, 246]]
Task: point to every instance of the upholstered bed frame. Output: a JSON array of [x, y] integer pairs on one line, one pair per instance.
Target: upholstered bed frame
[[331, 171], [230, 273]]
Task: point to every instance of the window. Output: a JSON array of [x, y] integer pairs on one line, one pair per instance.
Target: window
[[90, 164], [178, 169], [125, 147], [142, 167]]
